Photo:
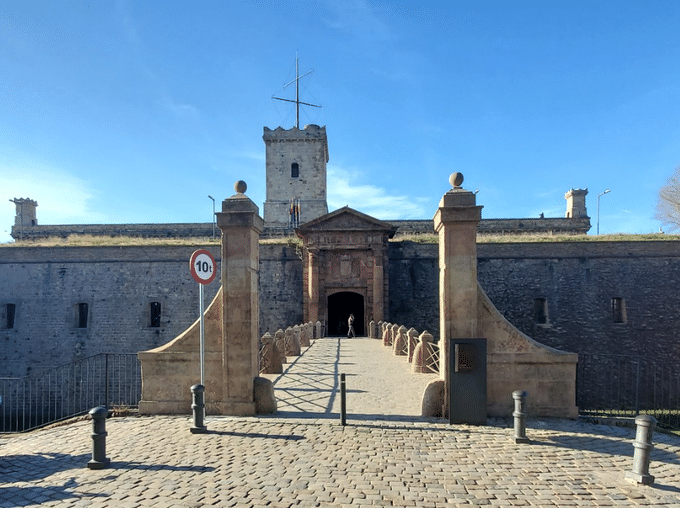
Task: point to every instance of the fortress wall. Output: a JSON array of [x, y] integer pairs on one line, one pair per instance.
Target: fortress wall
[[414, 286], [557, 226], [280, 288], [561, 226], [117, 284], [181, 230], [577, 279]]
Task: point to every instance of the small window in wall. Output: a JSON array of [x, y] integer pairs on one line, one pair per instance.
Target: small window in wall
[[540, 311], [294, 170], [8, 314], [618, 310], [82, 315], [155, 314]]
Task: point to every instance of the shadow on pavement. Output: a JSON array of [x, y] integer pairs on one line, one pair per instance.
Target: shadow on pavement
[[30, 496], [602, 445], [28, 468], [286, 437]]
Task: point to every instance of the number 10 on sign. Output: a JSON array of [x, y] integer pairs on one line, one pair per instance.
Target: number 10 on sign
[[202, 268]]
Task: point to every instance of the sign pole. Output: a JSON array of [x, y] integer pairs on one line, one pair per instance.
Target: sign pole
[[202, 269], [202, 311]]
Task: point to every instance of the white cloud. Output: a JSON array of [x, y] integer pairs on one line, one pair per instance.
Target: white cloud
[[344, 190], [62, 197], [183, 111], [359, 19]]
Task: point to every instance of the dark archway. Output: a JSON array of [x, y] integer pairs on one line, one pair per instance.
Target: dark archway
[[340, 306]]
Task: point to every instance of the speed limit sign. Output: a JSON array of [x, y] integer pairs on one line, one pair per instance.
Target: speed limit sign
[[202, 266]]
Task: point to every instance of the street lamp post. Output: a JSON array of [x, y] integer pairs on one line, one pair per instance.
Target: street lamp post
[[213, 221], [598, 208]]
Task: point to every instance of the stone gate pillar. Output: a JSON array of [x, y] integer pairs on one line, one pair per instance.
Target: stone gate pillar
[[313, 287], [241, 227], [456, 223], [378, 287]]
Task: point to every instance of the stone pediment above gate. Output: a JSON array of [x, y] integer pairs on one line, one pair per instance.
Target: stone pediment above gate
[[347, 226]]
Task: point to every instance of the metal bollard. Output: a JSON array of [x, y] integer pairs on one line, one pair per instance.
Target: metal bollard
[[99, 459], [343, 405], [520, 416], [643, 448], [198, 407]]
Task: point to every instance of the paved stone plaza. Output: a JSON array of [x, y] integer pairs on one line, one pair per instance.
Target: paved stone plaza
[[385, 456]]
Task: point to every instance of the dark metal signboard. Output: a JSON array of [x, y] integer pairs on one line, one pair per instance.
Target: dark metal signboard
[[467, 381]]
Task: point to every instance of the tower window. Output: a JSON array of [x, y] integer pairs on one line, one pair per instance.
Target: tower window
[[294, 170], [82, 315], [540, 311], [618, 310], [8, 313], [155, 314]]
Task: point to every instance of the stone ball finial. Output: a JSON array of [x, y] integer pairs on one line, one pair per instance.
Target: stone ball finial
[[456, 180], [240, 187]]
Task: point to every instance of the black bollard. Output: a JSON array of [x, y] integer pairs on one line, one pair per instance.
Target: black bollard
[[520, 416], [643, 448], [343, 406], [99, 460], [198, 407]]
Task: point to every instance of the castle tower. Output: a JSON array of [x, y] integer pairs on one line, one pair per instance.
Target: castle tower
[[25, 218], [576, 204], [296, 176]]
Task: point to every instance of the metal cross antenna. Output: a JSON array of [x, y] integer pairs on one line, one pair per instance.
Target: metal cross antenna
[[297, 92]]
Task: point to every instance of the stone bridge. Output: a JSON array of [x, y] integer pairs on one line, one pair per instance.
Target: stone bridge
[[345, 263]]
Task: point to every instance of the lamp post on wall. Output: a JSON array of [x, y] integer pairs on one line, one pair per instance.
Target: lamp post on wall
[[598, 208], [213, 221]]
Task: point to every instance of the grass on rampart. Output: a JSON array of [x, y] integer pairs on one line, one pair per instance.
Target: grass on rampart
[[115, 241], [109, 241], [535, 238]]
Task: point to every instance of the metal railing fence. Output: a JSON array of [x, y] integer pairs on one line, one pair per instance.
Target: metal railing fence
[[625, 386], [69, 390]]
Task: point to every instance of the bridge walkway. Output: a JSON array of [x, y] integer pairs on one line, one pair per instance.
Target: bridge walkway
[[379, 385]]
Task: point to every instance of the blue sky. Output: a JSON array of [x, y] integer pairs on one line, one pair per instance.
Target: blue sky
[[136, 111]]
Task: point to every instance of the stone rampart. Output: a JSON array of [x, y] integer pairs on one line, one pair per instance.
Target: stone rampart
[[549, 226], [118, 284], [183, 230], [577, 280], [529, 226]]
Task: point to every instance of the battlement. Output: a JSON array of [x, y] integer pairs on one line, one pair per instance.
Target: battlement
[[311, 132]]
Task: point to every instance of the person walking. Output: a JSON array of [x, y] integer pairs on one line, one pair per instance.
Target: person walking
[[350, 324]]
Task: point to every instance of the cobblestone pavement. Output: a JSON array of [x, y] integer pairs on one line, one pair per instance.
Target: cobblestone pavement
[[385, 456]]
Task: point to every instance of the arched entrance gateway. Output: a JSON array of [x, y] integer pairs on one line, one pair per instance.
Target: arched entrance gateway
[[345, 270], [340, 306]]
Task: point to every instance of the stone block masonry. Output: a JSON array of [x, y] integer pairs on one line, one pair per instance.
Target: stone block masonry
[[578, 281], [117, 286], [296, 170]]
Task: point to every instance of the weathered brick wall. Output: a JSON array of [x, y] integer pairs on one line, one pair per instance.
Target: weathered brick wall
[[414, 286], [578, 281], [183, 230], [278, 225], [118, 284], [550, 226], [280, 288]]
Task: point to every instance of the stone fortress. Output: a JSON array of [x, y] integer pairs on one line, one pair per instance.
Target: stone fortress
[[60, 304]]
